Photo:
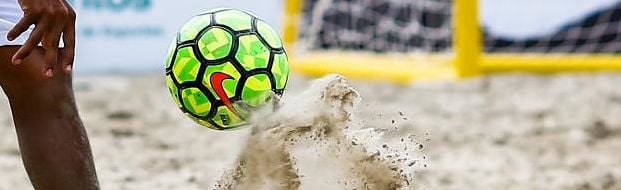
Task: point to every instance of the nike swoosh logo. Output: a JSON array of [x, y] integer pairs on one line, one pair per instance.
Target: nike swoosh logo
[[216, 81]]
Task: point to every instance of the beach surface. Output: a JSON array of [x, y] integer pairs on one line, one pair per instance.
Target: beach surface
[[513, 131]]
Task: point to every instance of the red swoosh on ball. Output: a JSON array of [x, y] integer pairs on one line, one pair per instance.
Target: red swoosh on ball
[[216, 81]]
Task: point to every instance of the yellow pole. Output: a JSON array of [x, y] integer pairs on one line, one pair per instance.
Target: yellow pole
[[291, 22], [467, 38]]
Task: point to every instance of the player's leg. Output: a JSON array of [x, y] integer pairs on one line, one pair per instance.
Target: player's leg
[[53, 143]]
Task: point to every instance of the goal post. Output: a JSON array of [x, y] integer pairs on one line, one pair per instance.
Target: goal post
[[467, 38], [396, 67], [463, 54]]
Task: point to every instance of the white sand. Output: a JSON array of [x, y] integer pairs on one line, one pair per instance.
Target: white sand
[[501, 132], [311, 143]]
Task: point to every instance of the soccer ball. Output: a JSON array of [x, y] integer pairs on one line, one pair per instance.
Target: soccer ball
[[222, 65]]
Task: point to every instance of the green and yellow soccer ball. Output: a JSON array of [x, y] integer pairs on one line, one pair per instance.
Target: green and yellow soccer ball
[[222, 65]]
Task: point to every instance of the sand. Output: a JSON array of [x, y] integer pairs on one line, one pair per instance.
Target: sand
[[311, 142], [513, 131]]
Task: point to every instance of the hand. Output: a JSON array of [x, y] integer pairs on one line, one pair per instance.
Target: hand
[[52, 19]]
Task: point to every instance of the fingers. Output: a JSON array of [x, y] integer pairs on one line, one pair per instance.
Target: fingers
[[68, 53], [50, 45], [51, 21], [33, 41], [20, 27]]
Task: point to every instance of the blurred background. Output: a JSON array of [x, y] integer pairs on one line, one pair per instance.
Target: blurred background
[[137, 31], [515, 130]]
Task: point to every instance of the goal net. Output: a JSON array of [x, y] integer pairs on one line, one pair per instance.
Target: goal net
[[599, 31], [377, 26], [406, 40]]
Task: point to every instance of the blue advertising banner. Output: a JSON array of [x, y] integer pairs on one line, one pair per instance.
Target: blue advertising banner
[[130, 36]]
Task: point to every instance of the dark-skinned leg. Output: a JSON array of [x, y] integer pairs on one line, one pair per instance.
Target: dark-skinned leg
[[52, 140]]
